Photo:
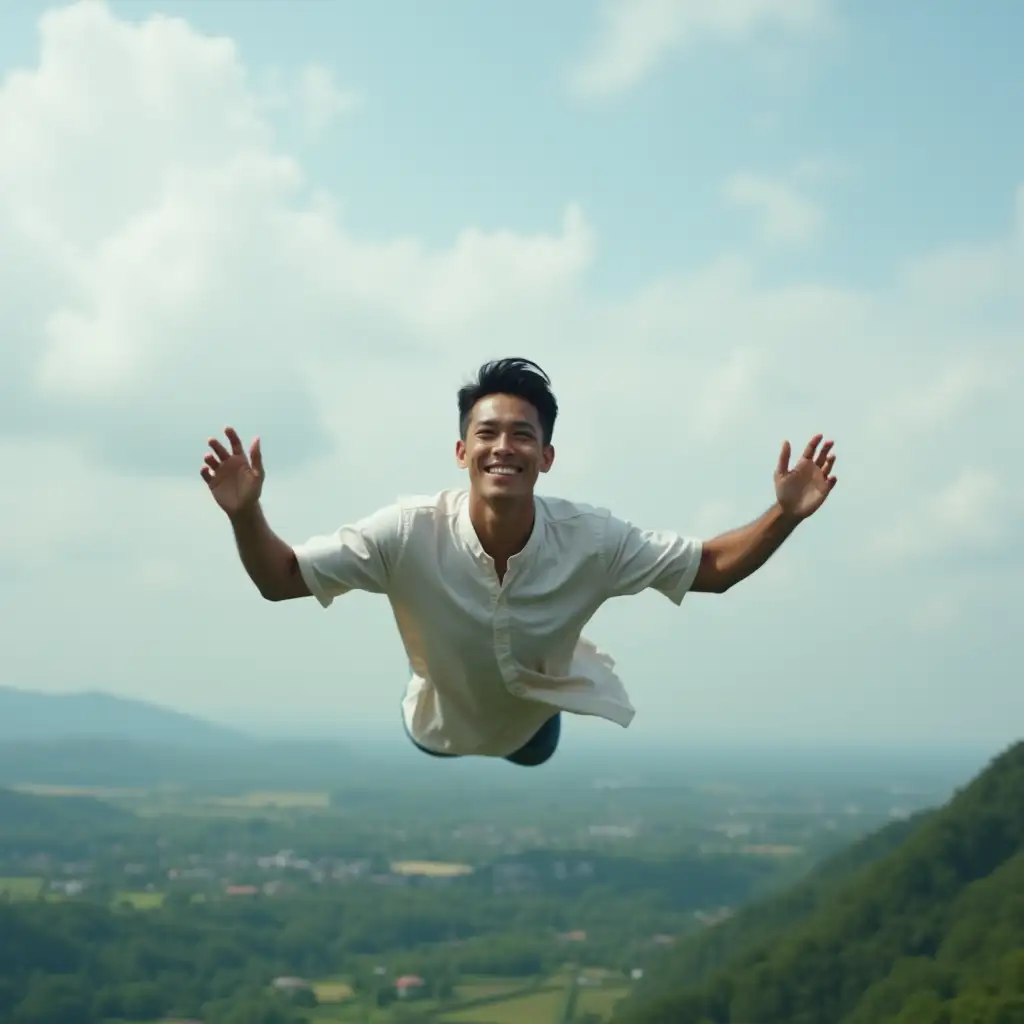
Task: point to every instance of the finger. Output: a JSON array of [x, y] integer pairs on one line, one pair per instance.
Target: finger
[[832, 481], [256, 457], [829, 463], [823, 454], [812, 445], [783, 466], [211, 461], [236, 441], [219, 449], [207, 474]]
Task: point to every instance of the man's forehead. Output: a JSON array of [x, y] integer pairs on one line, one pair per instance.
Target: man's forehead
[[505, 411], [504, 421]]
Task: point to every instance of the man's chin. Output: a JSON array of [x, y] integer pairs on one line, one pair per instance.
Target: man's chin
[[501, 490]]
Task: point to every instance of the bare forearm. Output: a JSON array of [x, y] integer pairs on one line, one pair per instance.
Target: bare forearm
[[733, 556], [269, 561]]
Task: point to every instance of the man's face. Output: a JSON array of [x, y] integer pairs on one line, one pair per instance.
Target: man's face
[[504, 449]]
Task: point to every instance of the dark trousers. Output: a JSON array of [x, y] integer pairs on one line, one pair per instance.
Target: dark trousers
[[536, 750]]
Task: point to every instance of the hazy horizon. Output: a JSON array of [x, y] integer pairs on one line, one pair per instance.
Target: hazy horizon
[[714, 230], [588, 749]]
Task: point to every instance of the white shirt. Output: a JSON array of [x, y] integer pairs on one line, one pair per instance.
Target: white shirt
[[491, 661]]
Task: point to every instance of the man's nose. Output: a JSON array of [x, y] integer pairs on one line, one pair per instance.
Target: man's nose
[[503, 443]]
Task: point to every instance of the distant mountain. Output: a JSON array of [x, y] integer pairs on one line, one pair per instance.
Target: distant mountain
[[26, 716], [98, 740], [235, 766], [930, 932], [47, 815]]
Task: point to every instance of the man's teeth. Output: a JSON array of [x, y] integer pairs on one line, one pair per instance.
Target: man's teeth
[[502, 470]]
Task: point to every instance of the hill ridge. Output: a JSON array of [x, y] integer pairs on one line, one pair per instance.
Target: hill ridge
[[27, 715], [900, 941]]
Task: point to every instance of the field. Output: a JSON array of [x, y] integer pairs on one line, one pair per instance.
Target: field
[[98, 792], [332, 990], [21, 888], [141, 900], [480, 1000], [543, 1007], [283, 800], [430, 868], [599, 1000], [485, 988]]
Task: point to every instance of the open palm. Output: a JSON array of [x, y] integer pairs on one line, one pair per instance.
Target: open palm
[[802, 490], [234, 478]]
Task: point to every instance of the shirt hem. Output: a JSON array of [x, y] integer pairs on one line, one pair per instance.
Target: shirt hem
[[686, 581], [308, 574]]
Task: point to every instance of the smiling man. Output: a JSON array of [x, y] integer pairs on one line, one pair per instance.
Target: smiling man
[[492, 586]]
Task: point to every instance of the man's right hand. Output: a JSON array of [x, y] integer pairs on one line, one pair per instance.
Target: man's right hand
[[235, 480]]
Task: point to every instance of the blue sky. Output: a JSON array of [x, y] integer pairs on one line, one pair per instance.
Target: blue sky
[[791, 216]]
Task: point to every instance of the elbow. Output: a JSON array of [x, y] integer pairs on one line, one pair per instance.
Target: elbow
[[711, 577], [272, 590], [283, 584], [716, 585]]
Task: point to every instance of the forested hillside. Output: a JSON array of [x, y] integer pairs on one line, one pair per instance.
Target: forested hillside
[[138, 904], [933, 933], [697, 958]]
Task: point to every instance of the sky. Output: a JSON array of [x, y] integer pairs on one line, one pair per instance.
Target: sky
[[717, 225]]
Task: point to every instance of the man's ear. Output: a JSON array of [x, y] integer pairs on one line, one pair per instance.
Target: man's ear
[[460, 453], [547, 458]]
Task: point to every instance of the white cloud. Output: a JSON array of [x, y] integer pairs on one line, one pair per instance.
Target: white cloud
[[968, 512], [322, 99], [963, 278], [730, 391], [967, 276], [783, 213], [194, 264], [312, 97], [943, 398], [635, 36]]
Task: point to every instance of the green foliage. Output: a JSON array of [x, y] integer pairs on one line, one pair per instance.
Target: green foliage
[[154, 935], [932, 933]]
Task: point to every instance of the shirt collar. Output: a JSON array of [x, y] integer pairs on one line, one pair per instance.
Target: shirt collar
[[469, 536]]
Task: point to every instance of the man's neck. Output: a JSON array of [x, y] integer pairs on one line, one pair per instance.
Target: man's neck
[[504, 529]]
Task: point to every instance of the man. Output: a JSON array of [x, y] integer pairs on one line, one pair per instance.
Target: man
[[491, 587]]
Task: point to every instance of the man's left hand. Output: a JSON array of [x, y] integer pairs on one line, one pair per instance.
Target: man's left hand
[[802, 490]]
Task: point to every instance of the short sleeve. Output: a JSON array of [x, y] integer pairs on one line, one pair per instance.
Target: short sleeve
[[357, 556], [639, 559]]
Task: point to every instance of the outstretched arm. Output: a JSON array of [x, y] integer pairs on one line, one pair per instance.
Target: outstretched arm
[[358, 556], [799, 493], [235, 479], [270, 562]]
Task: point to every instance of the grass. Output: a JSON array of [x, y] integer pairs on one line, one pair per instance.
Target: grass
[[538, 1008], [430, 868], [343, 1013], [600, 1000], [332, 990], [339, 1005], [271, 798], [486, 989], [21, 888], [141, 900]]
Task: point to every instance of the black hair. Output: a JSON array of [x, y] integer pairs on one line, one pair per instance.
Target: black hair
[[520, 377]]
